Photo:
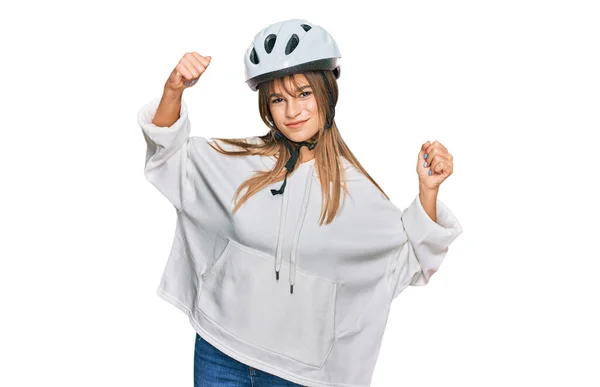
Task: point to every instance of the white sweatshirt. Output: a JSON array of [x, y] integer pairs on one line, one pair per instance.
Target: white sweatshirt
[[221, 271]]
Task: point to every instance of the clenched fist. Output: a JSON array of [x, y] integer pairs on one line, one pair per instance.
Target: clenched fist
[[187, 72], [434, 165]]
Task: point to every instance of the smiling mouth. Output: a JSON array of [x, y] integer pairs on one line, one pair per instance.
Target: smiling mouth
[[297, 124]]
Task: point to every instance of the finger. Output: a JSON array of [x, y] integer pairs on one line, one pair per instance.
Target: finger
[[425, 146], [198, 65], [428, 150], [184, 71], [205, 60], [191, 68], [435, 145], [436, 152], [423, 164], [431, 163], [439, 145], [441, 165], [429, 154], [438, 167]]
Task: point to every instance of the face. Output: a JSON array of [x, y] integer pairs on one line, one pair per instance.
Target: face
[[301, 107]]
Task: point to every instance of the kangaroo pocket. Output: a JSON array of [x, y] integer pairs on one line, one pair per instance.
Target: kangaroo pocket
[[241, 294]]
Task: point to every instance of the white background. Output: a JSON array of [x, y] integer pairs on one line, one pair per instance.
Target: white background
[[511, 88]]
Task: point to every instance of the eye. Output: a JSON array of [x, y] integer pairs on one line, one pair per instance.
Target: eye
[[304, 92]]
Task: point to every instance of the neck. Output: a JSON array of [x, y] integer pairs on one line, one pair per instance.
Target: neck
[[306, 154]]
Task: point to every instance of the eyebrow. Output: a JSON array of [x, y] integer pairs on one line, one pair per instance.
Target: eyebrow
[[298, 89]]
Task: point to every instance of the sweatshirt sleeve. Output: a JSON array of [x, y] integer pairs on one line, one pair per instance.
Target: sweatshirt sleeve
[[167, 164], [426, 245]]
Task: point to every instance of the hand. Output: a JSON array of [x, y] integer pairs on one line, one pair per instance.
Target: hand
[[439, 165], [187, 72]]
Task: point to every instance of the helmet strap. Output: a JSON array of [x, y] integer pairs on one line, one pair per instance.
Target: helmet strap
[[291, 163]]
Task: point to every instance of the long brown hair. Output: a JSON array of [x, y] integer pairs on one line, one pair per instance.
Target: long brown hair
[[330, 146]]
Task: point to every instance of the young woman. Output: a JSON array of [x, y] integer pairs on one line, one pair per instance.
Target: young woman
[[287, 255]]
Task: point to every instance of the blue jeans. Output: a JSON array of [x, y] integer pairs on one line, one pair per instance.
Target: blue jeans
[[213, 368]]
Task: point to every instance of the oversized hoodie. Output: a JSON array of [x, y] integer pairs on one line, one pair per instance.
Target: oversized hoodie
[[232, 274]]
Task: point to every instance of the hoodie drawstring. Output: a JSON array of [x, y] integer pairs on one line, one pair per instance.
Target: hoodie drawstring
[[280, 232], [305, 201], [291, 163]]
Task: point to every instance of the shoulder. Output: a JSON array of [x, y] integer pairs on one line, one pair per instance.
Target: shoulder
[[208, 148], [351, 172]]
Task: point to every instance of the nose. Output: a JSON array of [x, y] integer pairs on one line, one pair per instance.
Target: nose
[[293, 108]]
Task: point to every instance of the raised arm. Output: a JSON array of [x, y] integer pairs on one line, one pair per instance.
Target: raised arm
[[186, 74], [166, 129]]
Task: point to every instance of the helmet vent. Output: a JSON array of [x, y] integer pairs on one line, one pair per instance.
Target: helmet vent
[[306, 27], [253, 56], [291, 44], [270, 42]]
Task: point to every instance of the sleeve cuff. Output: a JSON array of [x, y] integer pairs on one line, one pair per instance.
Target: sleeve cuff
[[429, 240], [164, 137], [421, 228]]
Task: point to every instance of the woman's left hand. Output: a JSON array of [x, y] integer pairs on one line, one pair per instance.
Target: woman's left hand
[[434, 169]]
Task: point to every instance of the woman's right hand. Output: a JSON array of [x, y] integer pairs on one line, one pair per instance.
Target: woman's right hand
[[187, 72]]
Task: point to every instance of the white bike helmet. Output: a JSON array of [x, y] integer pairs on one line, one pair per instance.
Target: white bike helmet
[[290, 47]]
